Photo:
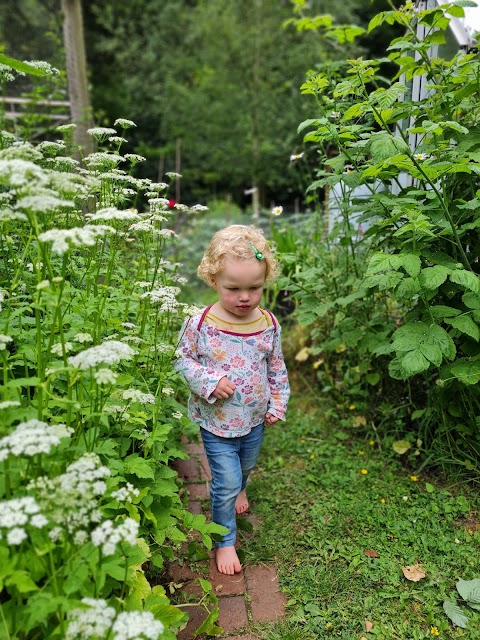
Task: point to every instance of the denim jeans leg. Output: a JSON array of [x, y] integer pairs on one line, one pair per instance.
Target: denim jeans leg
[[230, 460]]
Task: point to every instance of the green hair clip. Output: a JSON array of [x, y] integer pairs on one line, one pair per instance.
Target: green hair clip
[[258, 254]]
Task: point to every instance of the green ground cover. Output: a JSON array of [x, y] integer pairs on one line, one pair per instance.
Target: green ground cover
[[342, 515]]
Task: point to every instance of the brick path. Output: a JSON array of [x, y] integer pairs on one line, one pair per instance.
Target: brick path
[[245, 598]]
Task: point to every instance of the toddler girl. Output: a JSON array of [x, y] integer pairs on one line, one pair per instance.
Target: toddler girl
[[230, 355]]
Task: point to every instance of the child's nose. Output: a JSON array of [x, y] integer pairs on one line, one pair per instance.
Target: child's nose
[[244, 295]]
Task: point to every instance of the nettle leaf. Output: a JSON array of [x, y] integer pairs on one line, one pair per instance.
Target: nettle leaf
[[465, 324], [466, 279], [414, 362], [442, 311], [455, 614], [384, 146], [411, 263], [471, 300], [467, 372], [433, 277]]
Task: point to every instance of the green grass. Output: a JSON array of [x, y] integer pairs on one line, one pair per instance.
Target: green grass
[[319, 513]]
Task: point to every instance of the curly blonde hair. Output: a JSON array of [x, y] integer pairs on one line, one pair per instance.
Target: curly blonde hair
[[236, 242]]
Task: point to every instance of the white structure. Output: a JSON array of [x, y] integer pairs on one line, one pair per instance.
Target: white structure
[[462, 34]]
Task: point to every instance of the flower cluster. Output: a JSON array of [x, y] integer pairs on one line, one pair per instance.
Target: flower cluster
[[107, 536], [63, 239], [112, 213], [135, 395], [71, 499], [32, 437], [109, 352], [166, 296], [4, 340], [16, 514], [126, 493], [98, 619]]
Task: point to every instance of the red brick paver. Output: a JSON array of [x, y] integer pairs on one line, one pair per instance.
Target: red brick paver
[[253, 595]]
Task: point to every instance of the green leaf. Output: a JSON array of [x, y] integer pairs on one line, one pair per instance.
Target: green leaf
[[469, 590], [411, 263], [442, 311], [401, 446], [410, 336], [429, 487], [438, 336], [384, 146], [465, 324], [414, 362], [138, 467], [209, 625], [471, 300], [432, 352], [433, 277], [455, 614], [22, 581], [466, 279], [467, 372], [23, 67]]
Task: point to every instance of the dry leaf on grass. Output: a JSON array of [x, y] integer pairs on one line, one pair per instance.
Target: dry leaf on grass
[[413, 573], [368, 626], [371, 553]]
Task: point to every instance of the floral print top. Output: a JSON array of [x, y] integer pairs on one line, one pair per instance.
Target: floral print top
[[252, 361]]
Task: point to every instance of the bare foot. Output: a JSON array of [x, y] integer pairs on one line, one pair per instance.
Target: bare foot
[[241, 503], [227, 560]]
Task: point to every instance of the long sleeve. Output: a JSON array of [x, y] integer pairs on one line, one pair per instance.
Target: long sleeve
[[202, 380], [277, 378]]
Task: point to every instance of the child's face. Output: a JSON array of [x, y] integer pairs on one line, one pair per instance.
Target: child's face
[[240, 286]]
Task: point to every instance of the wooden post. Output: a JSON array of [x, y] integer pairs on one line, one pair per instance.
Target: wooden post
[[76, 62]]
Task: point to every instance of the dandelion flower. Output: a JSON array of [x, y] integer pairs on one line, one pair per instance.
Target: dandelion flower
[[364, 472]]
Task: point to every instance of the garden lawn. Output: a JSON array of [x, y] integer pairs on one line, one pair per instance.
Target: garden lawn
[[341, 515]]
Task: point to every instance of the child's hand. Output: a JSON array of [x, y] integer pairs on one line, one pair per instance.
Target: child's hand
[[269, 419], [224, 388]]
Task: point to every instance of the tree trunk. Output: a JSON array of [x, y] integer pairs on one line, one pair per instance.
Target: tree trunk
[[76, 62]]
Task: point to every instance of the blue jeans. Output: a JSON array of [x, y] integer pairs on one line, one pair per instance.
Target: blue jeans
[[231, 460]]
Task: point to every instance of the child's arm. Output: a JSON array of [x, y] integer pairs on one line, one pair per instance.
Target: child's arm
[[278, 381], [202, 380]]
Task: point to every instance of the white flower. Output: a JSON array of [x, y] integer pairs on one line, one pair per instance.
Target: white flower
[[4, 340], [63, 239], [44, 203], [83, 337], [134, 158], [107, 536], [126, 493], [421, 156], [71, 499], [129, 325], [101, 133], [16, 535], [8, 215], [277, 211], [177, 415], [111, 213], [93, 622], [33, 437], [66, 128], [198, 207], [109, 352], [38, 521], [8, 404], [124, 123], [44, 284], [296, 156], [105, 376], [137, 625], [168, 391], [21, 173], [57, 348], [173, 174], [137, 396]]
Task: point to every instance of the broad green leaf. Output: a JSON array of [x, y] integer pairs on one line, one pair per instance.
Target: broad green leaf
[[401, 446], [384, 146], [433, 353], [138, 467], [471, 300], [410, 336], [23, 67], [411, 263], [469, 589], [438, 336], [466, 325], [466, 279], [139, 590], [442, 311], [433, 277], [22, 581], [455, 614], [467, 372], [209, 625], [414, 362]]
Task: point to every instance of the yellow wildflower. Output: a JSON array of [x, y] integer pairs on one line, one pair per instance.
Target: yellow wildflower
[[361, 453], [383, 501], [434, 631], [364, 472], [352, 407], [371, 443], [414, 478]]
